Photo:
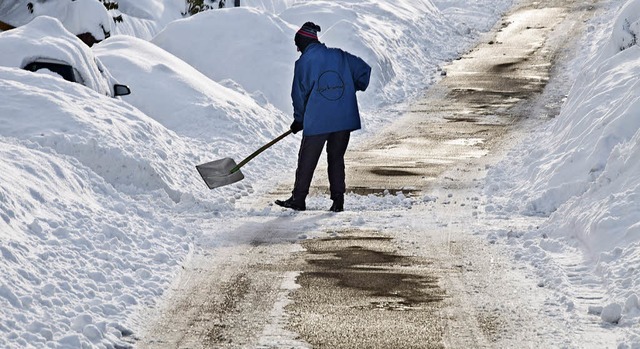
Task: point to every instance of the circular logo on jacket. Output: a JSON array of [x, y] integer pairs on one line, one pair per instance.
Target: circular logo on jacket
[[330, 85]]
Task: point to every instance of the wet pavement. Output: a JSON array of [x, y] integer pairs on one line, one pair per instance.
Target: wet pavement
[[360, 288], [354, 294], [366, 294], [466, 114]]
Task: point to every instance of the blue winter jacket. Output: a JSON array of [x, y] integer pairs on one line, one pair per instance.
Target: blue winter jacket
[[325, 82]]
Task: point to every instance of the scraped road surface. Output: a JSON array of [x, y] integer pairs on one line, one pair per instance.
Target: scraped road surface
[[430, 278]]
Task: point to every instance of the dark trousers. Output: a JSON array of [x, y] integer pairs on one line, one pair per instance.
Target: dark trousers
[[308, 156]]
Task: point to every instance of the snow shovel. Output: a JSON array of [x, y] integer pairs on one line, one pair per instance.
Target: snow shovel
[[222, 172]]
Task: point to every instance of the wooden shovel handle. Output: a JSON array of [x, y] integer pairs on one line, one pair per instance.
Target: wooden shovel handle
[[257, 152]]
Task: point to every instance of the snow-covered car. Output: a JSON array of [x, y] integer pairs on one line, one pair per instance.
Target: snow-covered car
[[68, 72], [45, 46]]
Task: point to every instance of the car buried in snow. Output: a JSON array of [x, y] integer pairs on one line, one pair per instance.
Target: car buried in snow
[[69, 73], [45, 46]]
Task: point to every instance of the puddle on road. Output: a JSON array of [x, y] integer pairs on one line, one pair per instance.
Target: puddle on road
[[388, 280], [382, 171], [357, 291], [507, 70]]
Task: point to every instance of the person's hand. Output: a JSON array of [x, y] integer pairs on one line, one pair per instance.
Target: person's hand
[[296, 126]]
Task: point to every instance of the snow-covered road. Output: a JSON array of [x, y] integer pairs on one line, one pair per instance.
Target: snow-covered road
[[409, 263], [482, 212]]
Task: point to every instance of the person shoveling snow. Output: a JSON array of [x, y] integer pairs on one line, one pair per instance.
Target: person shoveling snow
[[325, 107]]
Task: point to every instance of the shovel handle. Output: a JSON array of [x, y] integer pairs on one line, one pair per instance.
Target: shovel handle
[[257, 152]]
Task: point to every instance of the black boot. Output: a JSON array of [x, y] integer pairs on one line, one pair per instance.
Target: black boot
[[292, 204], [338, 205]]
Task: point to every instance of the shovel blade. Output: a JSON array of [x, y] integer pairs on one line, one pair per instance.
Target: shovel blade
[[217, 173]]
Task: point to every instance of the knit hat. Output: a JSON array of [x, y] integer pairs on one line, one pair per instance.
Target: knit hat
[[308, 34]]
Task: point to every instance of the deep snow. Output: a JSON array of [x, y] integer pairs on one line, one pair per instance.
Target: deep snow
[[581, 177], [72, 15], [100, 202]]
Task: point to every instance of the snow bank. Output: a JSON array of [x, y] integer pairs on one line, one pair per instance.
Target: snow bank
[[625, 30], [124, 146], [183, 99], [76, 255], [581, 171], [252, 48], [145, 19], [89, 190]]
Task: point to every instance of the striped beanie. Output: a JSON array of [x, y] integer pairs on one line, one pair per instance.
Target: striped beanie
[[306, 35]]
